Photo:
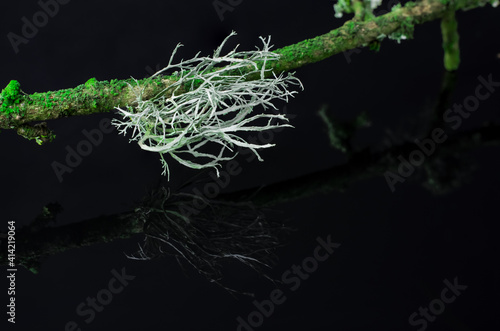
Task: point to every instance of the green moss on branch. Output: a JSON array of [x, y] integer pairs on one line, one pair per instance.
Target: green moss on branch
[[85, 99], [17, 109], [10, 98], [354, 34]]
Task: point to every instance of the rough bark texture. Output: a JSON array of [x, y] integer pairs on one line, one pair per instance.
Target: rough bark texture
[[18, 109]]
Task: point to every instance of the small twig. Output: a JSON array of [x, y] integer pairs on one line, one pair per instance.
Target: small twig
[[449, 31]]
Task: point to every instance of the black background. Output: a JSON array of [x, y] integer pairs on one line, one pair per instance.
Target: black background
[[396, 248]]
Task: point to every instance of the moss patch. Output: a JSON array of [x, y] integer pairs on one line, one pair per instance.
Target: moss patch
[[91, 82], [10, 97]]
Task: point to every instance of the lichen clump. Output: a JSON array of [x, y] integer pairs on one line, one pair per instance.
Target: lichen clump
[[209, 104]]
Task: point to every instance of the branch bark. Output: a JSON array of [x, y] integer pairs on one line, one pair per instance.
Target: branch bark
[[449, 31], [18, 109]]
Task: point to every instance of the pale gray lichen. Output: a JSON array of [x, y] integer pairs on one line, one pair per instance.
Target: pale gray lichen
[[375, 3], [345, 6], [215, 108], [341, 7], [381, 36], [397, 36]]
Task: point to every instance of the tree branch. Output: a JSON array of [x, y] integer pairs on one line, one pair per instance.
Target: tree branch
[[450, 41], [18, 109]]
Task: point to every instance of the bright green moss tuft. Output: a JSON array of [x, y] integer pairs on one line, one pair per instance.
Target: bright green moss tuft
[[395, 7], [91, 82], [10, 97]]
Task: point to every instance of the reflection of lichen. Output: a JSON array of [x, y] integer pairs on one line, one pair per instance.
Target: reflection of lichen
[[361, 165], [222, 231]]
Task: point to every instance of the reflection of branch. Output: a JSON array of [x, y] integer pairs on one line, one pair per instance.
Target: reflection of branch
[[362, 165], [32, 245], [448, 83], [339, 132]]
